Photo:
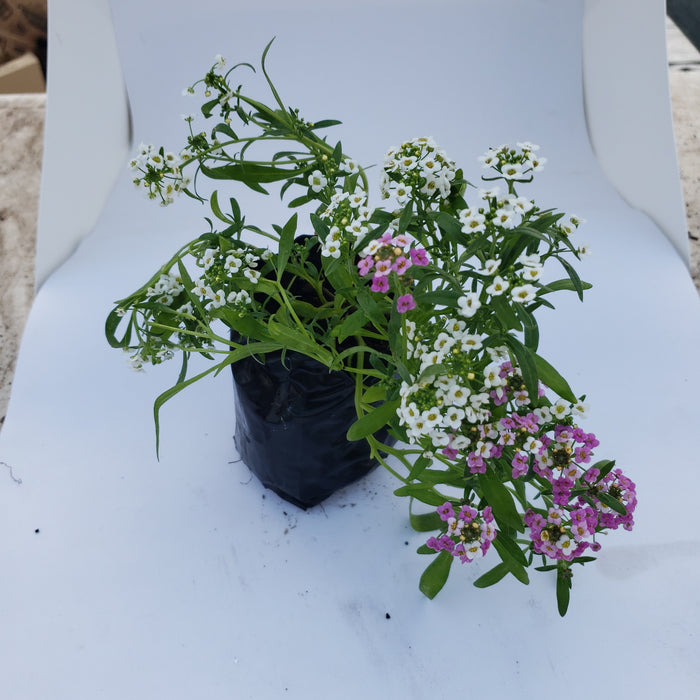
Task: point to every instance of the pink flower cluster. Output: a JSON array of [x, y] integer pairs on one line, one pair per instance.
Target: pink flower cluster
[[469, 533], [567, 532], [390, 254], [562, 535]]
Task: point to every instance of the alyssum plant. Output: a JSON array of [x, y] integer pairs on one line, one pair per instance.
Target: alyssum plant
[[428, 303]]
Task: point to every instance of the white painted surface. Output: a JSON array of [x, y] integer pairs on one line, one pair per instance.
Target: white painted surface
[[182, 578]]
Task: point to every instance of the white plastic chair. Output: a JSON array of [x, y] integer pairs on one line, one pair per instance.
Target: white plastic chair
[[125, 577]]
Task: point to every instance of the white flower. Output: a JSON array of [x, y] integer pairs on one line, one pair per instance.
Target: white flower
[[498, 287], [490, 267], [529, 260], [523, 293], [349, 166], [252, 275], [472, 221], [505, 218], [219, 62], [218, 298], [317, 180], [200, 287], [232, 263], [330, 249], [580, 409], [492, 375], [511, 171], [468, 304], [209, 257], [489, 159], [536, 164], [527, 146], [403, 193], [453, 418], [532, 273], [457, 396], [560, 409], [584, 250]]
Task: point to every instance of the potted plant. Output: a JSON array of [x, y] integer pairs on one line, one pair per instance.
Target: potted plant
[[421, 314]]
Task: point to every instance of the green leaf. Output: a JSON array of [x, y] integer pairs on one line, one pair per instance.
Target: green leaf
[[425, 522], [406, 216], [500, 500], [373, 394], [249, 173], [504, 313], [563, 285], [351, 325], [450, 227], [432, 371], [551, 378], [507, 544], [505, 551], [421, 492], [435, 575], [573, 276], [294, 339], [492, 576], [532, 332], [373, 421], [419, 466], [285, 245], [563, 590], [611, 502], [214, 204], [526, 363], [324, 123]]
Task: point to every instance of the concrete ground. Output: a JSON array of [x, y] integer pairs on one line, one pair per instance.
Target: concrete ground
[[22, 119]]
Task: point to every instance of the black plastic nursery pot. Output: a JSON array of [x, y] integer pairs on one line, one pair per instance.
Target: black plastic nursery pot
[[292, 416]]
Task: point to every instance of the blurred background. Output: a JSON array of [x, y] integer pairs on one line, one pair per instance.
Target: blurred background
[[23, 72]]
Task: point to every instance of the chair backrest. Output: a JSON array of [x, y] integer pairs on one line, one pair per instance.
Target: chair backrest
[[626, 107]]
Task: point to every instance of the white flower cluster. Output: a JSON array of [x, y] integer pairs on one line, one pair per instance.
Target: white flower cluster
[[214, 285], [504, 211], [438, 407], [167, 288], [514, 163], [158, 172], [348, 217], [417, 167]]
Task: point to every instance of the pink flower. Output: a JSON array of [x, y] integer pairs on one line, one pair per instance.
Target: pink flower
[[419, 256], [380, 284], [450, 452], [445, 511], [520, 464], [383, 267], [365, 265], [401, 264], [405, 303]]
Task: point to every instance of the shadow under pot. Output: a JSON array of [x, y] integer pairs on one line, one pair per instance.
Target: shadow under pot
[[291, 420]]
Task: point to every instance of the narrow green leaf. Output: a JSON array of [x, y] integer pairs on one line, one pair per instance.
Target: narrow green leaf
[[501, 501], [435, 575], [551, 378], [432, 371], [526, 363], [425, 522], [285, 244], [611, 502], [492, 576], [405, 218], [421, 492], [419, 466], [351, 325], [373, 421], [563, 590]]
